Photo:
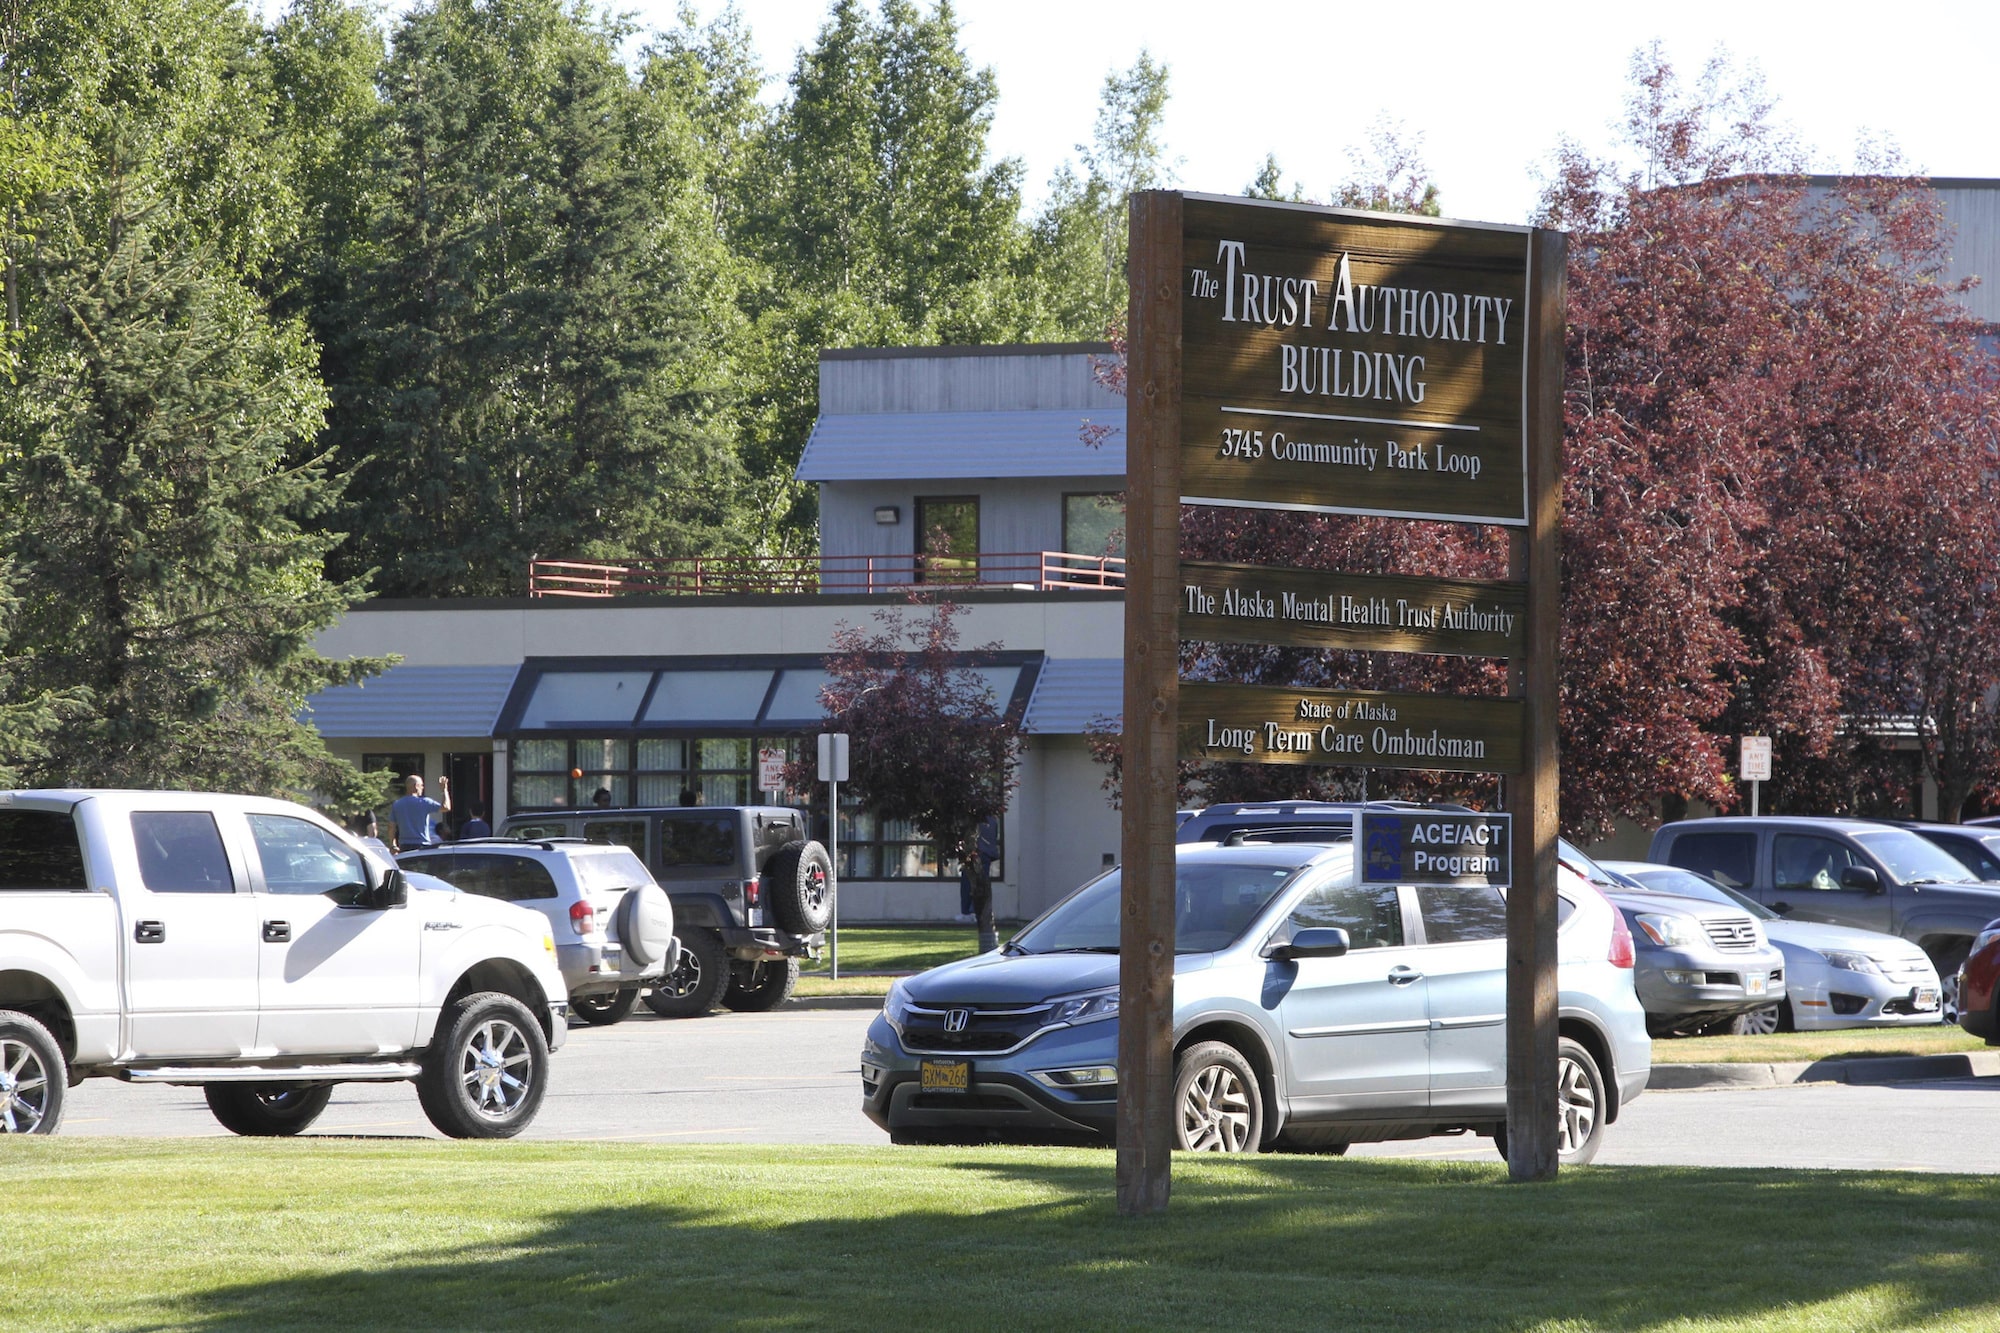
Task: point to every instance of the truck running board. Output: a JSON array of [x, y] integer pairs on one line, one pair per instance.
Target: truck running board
[[188, 1076]]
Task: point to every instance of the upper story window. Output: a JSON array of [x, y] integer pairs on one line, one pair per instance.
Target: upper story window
[[952, 523], [1094, 523]]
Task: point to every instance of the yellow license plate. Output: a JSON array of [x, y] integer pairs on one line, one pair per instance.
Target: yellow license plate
[[945, 1075]]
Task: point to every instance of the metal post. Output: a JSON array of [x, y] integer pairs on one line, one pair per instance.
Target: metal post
[[1753, 798], [833, 855]]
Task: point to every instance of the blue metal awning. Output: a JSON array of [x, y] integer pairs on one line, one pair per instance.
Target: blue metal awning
[[414, 701], [1074, 694]]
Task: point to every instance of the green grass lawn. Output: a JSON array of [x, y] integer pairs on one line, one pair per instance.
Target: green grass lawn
[[1781, 1047], [304, 1234], [905, 948]]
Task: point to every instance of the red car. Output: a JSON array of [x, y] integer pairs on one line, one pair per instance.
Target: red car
[[1978, 983]]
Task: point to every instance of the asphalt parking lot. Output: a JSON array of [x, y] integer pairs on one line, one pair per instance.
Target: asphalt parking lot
[[793, 1077]]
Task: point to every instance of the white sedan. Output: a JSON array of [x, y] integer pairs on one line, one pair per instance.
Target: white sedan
[[1835, 976]]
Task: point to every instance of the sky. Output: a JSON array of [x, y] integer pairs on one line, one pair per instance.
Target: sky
[[1491, 88]]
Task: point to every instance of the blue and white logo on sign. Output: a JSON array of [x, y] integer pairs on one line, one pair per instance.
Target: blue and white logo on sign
[[1382, 853]]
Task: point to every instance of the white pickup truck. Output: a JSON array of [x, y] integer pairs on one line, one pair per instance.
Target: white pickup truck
[[251, 948]]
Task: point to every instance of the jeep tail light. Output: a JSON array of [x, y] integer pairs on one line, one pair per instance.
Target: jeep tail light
[[753, 892], [583, 917]]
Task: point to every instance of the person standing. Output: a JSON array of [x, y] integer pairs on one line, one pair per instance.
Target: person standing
[[416, 814], [475, 827]]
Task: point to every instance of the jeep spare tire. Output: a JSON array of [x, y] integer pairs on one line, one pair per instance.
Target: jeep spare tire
[[644, 925], [798, 887]]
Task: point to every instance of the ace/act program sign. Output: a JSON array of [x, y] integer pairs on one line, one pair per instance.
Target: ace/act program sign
[[1354, 364]]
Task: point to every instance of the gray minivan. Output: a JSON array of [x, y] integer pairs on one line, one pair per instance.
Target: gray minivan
[[1851, 872]]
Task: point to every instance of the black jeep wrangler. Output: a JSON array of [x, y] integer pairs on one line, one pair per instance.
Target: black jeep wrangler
[[752, 894]]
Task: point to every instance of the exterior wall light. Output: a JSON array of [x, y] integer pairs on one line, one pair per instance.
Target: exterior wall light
[[888, 514]]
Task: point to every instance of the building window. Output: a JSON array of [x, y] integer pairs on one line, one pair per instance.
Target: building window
[[1094, 524], [949, 522]]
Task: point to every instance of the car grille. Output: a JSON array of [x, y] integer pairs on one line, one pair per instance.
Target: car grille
[[1909, 971], [981, 1029], [1736, 933]]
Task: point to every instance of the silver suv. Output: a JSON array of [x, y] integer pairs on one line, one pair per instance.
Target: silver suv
[[614, 926]]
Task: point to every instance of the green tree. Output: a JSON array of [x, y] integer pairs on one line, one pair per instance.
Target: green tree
[[165, 568], [536, 372]]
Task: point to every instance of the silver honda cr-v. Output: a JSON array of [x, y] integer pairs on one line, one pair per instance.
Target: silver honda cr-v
[[1309, 1011]]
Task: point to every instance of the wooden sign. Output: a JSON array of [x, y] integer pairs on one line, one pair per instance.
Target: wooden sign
[[1302, 608], [1269, 724], [1353, 363]]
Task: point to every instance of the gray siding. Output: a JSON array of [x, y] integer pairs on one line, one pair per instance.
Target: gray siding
[[1014, 515], [962, 380], [1973, 210]]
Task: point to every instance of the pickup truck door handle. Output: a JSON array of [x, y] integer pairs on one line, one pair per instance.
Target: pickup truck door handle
[[149, 932], [277, 932], [1402, 975]]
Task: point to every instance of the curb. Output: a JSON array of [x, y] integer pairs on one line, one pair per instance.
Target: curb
[[1886, 1069]]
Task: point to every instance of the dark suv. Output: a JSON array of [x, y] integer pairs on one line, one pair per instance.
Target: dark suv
[[751, 894]]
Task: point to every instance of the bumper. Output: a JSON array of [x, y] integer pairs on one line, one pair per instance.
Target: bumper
[[558, 1024], [1003, 1099], [1709, 984], [1856, 999], [599, 969], [752, 942]]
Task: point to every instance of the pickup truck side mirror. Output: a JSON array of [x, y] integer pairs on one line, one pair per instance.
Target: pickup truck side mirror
[[391, 891], [1312, 942], [1860, 877]]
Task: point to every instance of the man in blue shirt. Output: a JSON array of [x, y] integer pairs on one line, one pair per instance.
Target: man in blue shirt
[[416, 814]]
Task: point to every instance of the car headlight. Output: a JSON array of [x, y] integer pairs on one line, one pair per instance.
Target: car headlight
[[1853, 962], [896, 1005], [1087, 1008], [1669, 932]]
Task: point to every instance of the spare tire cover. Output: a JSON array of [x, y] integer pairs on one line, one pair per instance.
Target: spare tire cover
[[644, 924]]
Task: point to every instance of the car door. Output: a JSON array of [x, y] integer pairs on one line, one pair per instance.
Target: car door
[[332, 980], [1806, 870], [190, 928], [1357, 1027], [1465, 961]]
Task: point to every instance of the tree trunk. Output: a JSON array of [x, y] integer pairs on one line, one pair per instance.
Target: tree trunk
[[982, 904]]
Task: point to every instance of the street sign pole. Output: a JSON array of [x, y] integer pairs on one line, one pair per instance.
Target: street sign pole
[[833, 772]]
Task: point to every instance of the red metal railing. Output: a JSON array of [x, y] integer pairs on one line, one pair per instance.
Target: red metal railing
[[697, 576]]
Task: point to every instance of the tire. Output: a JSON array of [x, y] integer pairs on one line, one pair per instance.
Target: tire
[[1579, 1107], [756, 988], [486, 1070], [696, 984], [267, 1110], [606, 1007], [1948, 963], [798, 887], [1218, 1106], [34, 1078], [1760, 1022], [643, 925]]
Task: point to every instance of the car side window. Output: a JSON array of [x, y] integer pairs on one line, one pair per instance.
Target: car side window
[[511, 879], [1372, 917], [628, 833], [300, 857], [1804, 862], [180, 851], [1456, 913], [39, 850], [698, 841], [1729, 858], [535, 832]]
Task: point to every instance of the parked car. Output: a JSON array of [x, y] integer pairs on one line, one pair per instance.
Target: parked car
[[250, 948], [613, 926], [1979, 986], [1845, 872], [1835, 976], [1975, 848], [1284, 821], [1698, 964], [1309, 1012], [751, 894]]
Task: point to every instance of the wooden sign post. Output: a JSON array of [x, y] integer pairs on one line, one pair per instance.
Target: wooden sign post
[[1291, 357]]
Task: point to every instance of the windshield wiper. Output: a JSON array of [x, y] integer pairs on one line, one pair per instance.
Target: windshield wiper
[[1938, 879], [1086, 948]]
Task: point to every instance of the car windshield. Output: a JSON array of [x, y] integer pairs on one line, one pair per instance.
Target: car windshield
[[1568, 854], [1215, 902], [610, 872], [1914, 860], [1687, 884]]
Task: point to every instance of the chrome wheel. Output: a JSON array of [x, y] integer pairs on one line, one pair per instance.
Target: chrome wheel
[[685, 979], [1576, 1105], [1216, 1114], [1757, 1023], [495, 1067], [813, 892], [25, 1088]]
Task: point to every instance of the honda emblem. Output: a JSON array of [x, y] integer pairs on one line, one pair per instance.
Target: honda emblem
[[956, 1019]]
